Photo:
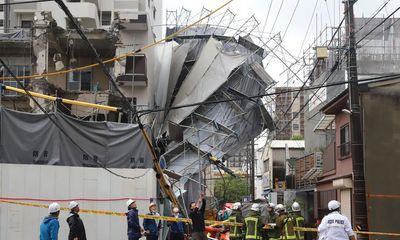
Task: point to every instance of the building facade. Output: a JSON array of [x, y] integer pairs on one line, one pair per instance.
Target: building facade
[[289, 119], [113, 27]]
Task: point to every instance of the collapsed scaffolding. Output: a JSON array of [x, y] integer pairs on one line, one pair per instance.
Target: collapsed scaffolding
[[210, 64]]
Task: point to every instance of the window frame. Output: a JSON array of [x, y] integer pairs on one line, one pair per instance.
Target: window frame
[[344, 141], [102, 18]]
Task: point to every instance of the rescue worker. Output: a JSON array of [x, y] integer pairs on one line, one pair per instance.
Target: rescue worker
[[134, 230], [76, 227], [152, 226], [50, 225], [253, 225], [271, 213], [335, 226], [235, 232], [298, 220], [284, 223], [197, 216], [176, 229], [273, 234]]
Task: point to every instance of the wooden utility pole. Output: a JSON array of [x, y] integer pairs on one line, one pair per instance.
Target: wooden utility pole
[[359, 194]]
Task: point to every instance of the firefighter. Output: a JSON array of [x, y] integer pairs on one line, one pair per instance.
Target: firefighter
[[284, 223], [235, 232], [298, 220], [253, 225], [335, 226], [273, 234]]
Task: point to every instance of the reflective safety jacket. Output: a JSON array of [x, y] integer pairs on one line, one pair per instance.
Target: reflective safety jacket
[[299, 222], [253, 226], [286, 224], [236, 217]]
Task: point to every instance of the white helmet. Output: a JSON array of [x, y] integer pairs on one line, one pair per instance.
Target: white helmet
[[72, 204], [296, 207], [333, 205], [279, 208], [54, 207], [271, 205], [236, 205], [255, 207], [129, 202]]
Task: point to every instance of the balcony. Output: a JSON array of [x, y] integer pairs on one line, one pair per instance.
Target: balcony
[[86, 13], [135, 72], [129, 16], [344, 150]]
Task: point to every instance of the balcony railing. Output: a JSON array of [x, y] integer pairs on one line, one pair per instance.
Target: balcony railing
[[344, 150]]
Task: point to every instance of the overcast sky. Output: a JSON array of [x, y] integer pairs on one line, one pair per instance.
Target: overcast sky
[[328, 12]]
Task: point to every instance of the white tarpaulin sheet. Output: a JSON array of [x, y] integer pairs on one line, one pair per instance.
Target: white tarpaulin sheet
[[210, 71]]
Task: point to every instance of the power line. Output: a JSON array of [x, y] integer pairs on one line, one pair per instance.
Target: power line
[[24, 2], [266, 19], [369, 80], [384, 20], [373, 16], [277, 15], [291, 18], [339, 61]]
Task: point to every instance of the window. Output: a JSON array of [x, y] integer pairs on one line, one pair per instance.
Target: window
[[26, 24], [1, 8], [148, 3], [344, 141], [106, 18], [295, 126], [81, 81], [18, 71], [1, 23], [154, 13], [295, 115], [136, 65]]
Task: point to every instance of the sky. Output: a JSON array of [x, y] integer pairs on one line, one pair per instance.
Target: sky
[[327, 13]]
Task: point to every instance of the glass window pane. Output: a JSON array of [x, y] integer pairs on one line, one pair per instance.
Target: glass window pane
[[86, 80]]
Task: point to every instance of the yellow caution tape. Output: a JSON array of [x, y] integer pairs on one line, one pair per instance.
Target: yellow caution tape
[[100, 212], [186, 220]]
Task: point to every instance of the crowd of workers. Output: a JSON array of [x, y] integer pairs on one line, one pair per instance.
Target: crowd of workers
[[276, 223]]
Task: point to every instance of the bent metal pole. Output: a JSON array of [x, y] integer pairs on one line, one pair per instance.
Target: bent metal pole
[[63, 100]]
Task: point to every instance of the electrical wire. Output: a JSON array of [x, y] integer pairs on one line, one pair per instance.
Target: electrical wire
[[266, 19], [277, 16], [24, 2], [316, 87], [373, 16], [382, 22], [291, 18]]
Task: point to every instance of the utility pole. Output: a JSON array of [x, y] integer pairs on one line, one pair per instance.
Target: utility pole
[[359, 194]]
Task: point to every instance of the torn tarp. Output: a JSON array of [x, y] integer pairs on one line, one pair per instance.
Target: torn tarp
[[33, 139]]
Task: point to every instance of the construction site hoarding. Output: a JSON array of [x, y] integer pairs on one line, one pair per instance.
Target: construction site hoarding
[[34, 139]]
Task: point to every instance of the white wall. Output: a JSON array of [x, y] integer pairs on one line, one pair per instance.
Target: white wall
[[56, 182]]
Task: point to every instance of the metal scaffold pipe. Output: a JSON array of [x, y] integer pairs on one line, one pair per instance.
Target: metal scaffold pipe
[[63, 100]]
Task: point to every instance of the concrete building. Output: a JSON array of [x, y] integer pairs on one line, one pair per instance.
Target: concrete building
[[113, 27], [278, 162], [282, 102]]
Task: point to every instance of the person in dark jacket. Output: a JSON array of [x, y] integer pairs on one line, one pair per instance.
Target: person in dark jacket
[[50, 225], [176, 229], [76, 227], [197, 216], [134, 230], [151, 226]]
